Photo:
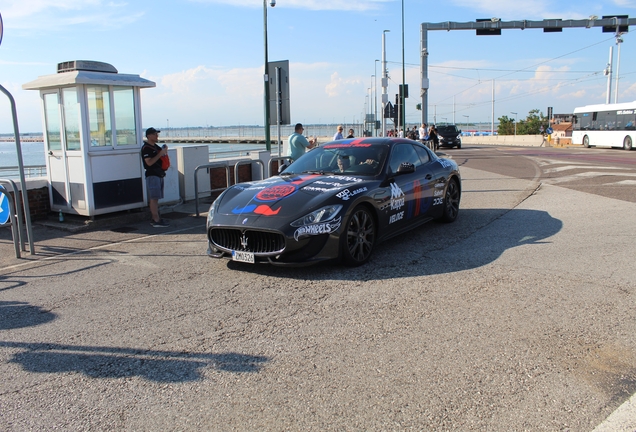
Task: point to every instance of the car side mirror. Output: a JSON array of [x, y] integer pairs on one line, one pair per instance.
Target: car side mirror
[[406, 168]]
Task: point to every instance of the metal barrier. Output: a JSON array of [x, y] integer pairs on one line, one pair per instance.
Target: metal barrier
[[271, 162], [18, 213], [246, 162], [14, 228], [196, 182], [29, 171]]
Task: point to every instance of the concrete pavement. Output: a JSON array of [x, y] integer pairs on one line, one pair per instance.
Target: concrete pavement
[[519, 316]]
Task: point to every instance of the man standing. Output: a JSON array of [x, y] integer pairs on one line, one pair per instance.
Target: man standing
[[151, 155], [338, 135], [298, 143], [423, 135]]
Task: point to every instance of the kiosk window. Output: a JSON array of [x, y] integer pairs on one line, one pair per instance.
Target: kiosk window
[[71, 118], [52, 120], [125, 116], [99, 116]]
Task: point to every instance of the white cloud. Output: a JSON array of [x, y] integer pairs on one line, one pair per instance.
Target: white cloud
[[59, 14], [338, 86]]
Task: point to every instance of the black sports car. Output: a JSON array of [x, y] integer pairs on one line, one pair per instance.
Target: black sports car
[[336, 201]]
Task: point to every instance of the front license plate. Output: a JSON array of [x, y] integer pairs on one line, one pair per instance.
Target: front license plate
[[241, 256]]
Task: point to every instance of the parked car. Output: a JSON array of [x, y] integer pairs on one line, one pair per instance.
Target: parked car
[[337, 201], [449, 136]]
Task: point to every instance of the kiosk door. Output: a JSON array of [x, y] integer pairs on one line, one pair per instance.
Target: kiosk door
[[55, 155]]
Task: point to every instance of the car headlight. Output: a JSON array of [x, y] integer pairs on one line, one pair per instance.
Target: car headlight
[[321, 215]]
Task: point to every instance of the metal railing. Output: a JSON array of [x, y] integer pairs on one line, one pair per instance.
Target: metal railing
[[208, 166], [271, 163], [29, 171], [248, 162]]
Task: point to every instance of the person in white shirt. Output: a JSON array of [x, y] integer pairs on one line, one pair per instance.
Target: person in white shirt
[[338, 135]]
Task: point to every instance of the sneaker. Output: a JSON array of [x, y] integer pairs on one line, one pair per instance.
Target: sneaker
[[161, 224]]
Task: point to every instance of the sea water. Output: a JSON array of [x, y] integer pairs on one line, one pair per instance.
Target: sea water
[[33, 154]]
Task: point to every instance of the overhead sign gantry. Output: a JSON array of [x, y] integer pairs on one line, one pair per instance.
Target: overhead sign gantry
[[493, 26]]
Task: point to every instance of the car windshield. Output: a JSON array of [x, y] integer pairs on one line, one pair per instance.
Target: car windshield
[[447, 130], [345, 159]]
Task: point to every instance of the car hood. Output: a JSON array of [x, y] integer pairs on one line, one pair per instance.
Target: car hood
[[285, 197]]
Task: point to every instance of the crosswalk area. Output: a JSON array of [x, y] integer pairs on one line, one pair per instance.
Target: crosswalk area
[[566, 173]]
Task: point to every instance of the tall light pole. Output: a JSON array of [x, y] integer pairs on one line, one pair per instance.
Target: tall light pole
[[403, 122], [467, 120], [385, 81], [619, 41], [268, 145], [375, 101], [515, 121]]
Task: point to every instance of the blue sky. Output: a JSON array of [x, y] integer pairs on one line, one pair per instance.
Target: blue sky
[[206, 56]]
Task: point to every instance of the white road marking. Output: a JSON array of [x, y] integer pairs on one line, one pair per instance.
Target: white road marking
[[621, 420]]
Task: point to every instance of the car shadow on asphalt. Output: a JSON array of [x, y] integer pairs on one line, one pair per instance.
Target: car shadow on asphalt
[[114, 362], [470, 242]]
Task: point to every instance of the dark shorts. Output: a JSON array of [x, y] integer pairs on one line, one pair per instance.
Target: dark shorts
[[155, 187]]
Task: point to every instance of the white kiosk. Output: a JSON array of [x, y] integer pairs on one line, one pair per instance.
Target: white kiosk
[[93, 137]]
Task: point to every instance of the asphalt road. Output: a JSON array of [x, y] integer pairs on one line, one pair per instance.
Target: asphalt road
[[519, 316]]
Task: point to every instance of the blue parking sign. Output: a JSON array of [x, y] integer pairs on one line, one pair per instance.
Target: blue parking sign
[[4, 208]]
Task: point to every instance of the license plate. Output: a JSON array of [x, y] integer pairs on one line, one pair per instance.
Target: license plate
[[242, 256]]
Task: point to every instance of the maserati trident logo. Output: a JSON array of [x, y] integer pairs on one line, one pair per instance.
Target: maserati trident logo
[[244, 241]]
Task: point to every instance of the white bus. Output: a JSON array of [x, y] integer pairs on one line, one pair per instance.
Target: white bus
[[605, 125]]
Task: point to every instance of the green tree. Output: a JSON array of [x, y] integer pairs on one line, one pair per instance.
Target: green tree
[[506, 126], [532, 124]]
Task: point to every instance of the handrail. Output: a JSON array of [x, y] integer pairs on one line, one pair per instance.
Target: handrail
[[271, 161], [18, 212], [17, 209], [246, 162], [196, 182], [14, 228]]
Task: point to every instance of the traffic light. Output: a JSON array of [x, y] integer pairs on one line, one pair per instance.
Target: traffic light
[[488, 31]]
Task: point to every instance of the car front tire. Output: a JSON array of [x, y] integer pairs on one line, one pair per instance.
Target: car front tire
[[358, 238]]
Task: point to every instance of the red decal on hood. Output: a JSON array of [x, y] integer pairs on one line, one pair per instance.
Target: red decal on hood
[[303, 179], [274, 193], [266, 210]]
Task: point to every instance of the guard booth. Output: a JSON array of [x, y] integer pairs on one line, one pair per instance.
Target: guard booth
[[92, 137]]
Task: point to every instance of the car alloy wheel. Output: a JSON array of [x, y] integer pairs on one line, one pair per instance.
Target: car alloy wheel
[[451, 202], [358, 237]]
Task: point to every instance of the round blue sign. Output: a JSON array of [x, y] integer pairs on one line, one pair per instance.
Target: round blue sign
[[4, 208]]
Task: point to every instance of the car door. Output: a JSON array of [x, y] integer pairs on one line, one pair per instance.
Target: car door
[[410, 191], [434, 181]]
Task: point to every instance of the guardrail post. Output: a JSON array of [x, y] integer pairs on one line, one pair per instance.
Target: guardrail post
[[246, 162], [196, 182]]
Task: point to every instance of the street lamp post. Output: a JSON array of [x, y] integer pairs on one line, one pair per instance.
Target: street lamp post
[[374, 96], [619, 41], [467, 120], [385, 96], [375, 102], [515, 121], [268, 145], [403, 121]]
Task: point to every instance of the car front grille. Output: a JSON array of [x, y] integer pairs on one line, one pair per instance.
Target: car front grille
[[258, 242]]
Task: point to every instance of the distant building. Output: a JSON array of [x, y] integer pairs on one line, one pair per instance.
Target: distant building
[[562, 118]]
